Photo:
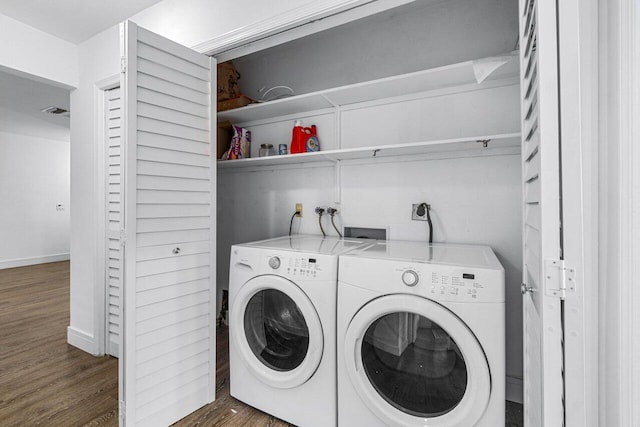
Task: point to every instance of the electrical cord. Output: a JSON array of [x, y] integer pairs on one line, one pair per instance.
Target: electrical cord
[[296, 213], [428, 211], [273, 98]]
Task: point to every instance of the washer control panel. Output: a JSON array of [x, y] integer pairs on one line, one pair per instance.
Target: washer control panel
[[455, 284], [298, 266]]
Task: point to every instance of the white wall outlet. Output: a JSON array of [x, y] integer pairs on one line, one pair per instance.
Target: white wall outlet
[[418, 212], [299, 209]]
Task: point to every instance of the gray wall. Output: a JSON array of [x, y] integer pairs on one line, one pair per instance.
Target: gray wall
[[414, 37]]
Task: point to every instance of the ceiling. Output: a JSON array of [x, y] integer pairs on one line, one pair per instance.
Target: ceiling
[[72, 20], [21, 102]]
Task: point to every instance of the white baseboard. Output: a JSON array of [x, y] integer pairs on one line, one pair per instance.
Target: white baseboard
[[82, 340], [514, 389], [21, 262]]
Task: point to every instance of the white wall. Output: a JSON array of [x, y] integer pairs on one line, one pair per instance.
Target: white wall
[[34, 178], [99, 59], [474, 200], [26, 50]]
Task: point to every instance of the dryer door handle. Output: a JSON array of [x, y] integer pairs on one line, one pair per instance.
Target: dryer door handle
[[243, 266]]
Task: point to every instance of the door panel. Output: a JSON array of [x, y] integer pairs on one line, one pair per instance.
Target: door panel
[[543, 352], [114, 219], [280, 337], [168, 360], [413, 362]]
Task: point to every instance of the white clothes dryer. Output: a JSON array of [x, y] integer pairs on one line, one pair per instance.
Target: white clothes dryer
[[421, 336], [282, 321]]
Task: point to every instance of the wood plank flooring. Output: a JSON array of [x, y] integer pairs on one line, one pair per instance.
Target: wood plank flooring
[[44, 381]]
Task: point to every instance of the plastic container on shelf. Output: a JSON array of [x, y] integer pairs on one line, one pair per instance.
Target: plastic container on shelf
[[304, 139], [266, 150]]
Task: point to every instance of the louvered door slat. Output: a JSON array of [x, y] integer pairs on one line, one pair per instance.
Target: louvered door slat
[[114, 260], [169, 323]]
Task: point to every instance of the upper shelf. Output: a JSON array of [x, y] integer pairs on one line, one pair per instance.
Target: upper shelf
[[471, 145], [449, 76]]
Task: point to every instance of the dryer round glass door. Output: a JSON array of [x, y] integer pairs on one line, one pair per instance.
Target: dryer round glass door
[[414, 362], [277, 330]]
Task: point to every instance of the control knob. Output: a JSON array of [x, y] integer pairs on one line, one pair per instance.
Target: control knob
[[410, 278], [274, 262]]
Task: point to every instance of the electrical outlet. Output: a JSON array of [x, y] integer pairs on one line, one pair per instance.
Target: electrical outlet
[[299, 209], [418, 212]]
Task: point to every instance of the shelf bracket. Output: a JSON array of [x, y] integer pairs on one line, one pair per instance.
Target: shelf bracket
[[337, 182]]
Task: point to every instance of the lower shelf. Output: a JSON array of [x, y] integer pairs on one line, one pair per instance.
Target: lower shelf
[[472, 145]]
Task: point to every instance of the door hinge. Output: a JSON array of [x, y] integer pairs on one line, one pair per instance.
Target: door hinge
[[559, 278], [123, 64], [122, 409]]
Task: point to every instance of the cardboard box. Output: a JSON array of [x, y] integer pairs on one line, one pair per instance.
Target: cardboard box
[[237, 102], [227, 81], [224, 134]]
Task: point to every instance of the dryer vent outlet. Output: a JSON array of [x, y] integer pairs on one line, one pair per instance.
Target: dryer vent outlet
[[365, 233]]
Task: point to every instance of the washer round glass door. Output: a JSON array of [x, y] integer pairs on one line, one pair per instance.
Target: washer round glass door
[[277, 330], [413, 362]]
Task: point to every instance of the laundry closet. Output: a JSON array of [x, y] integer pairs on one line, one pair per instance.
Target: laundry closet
[[420, 103]]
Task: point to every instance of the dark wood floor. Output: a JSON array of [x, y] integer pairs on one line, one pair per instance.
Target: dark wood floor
[[45, 381]]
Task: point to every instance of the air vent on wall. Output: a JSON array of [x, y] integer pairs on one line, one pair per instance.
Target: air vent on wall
[[56, 110]]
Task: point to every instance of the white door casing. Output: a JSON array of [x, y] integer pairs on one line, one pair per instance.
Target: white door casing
[[314, 353], [114, 222], [167, 353], [578, 84], [542, 308]]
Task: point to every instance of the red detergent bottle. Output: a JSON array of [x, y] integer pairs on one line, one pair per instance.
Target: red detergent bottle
[[311, 139], [298, 138], [304, 139]]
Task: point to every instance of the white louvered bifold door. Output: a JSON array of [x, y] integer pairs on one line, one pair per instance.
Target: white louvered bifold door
[[543, 351], [168, 359], [114, 260]]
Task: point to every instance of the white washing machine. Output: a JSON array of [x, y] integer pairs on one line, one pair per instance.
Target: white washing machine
[[421, 336], [282, 321]]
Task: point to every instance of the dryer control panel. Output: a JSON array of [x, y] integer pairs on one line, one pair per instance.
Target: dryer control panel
[[437, 282]]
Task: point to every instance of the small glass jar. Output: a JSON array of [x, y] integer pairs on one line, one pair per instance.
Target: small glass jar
[[266, 150]]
